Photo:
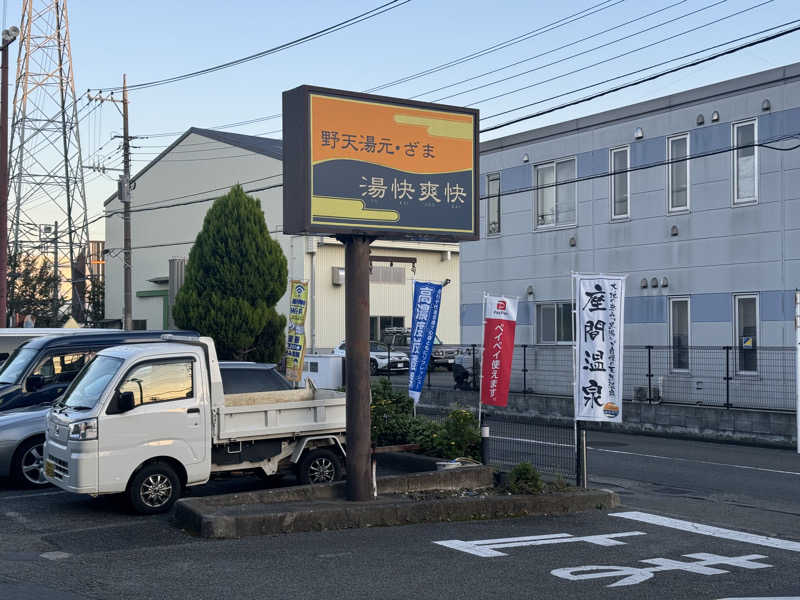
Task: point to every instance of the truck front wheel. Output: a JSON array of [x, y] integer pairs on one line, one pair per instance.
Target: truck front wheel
[[154, 489], [319, 466]]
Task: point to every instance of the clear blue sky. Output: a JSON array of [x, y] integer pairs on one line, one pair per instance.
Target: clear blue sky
[[150, 40]]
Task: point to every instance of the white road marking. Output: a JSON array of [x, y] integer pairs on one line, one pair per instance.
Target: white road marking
[[719, 532], [655, 456], [692, 460], [485, 548], [55, 555], [632, 575], [32, 495], [513, 439]]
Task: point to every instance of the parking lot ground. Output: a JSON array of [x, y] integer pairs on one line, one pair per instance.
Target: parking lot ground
[[56, 545]]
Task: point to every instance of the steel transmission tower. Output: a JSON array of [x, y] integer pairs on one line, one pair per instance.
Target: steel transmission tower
[[46, 174]]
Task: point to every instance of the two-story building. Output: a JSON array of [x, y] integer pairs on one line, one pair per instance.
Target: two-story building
[[695, 196]]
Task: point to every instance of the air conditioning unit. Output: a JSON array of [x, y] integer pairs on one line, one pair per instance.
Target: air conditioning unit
[[337, 275]]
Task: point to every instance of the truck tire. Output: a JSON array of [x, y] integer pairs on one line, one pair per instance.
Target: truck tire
[[154, 489], [27, 468], [319, 466]]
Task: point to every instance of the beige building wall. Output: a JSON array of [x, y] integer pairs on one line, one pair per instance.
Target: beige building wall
[[435, 262]]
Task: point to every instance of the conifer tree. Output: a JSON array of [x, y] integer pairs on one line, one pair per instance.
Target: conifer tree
[[235, 275]]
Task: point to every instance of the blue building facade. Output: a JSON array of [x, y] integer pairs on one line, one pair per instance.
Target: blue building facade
[[695, 196]]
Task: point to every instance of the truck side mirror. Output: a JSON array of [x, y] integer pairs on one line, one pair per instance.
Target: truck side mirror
[[34, 383], [121, 402]]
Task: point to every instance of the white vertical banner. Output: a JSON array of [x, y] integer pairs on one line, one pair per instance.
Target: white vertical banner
[[599, 326]]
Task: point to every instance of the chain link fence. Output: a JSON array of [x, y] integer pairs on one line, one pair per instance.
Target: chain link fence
[[724, 376]]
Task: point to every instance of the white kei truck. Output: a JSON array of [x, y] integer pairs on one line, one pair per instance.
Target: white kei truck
[[150, 419]]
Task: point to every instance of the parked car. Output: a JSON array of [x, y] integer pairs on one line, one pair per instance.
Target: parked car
[[442, 355], [12, 338], [150, 420], [380, 360], [22, 430]]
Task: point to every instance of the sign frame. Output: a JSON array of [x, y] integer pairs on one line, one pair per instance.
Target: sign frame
[[298, 172]]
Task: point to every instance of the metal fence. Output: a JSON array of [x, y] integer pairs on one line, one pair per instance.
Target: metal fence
[[549, 445], [724, 376]]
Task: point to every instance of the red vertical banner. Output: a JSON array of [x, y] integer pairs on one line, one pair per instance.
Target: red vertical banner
[[500, 322]]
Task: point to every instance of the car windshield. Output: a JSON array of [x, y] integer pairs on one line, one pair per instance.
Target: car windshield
[[378, 347], [87, 388], [17, 364]]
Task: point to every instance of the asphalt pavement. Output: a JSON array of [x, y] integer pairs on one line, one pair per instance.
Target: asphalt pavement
[[700, 520]]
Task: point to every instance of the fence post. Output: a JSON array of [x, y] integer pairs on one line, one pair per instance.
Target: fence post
[[524, 370], [580, 455], [474, 371], [727, 376], [649, 375], [484, 443]]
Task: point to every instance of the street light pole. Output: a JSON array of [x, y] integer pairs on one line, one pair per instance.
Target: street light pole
[[9, 35]]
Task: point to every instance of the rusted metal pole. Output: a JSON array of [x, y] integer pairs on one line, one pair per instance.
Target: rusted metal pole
[[4, 188], [356, 323]]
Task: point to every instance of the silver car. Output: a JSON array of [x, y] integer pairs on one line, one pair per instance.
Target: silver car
[[21, 444]]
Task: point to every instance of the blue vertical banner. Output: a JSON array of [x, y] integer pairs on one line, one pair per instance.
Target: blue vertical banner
[[427, 299]]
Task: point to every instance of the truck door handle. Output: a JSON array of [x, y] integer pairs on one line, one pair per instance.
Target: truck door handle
[[193, 410]]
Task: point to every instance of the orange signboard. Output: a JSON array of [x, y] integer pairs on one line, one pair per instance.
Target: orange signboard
[[355, 163]]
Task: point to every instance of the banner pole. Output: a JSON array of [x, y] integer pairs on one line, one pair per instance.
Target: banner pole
[[797, 361], [479, 366]]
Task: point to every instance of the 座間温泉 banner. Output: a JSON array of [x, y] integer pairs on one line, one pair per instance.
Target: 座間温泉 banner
[[372, 165], [600, 308], [499, 324], [427, 299], [296, 335]]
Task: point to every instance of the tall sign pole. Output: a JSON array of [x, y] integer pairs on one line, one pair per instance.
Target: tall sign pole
[[360, 167], [356, 328]]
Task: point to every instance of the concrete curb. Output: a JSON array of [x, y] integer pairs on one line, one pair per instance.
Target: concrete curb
[[318, 508]]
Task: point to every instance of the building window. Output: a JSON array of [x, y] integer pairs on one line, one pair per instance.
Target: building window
[[679, 333], [493, 213], [678, 172], [747, 333], [555, 194], [392, 275], [745, 163], [377, 325], [620, 183], [555, 323]]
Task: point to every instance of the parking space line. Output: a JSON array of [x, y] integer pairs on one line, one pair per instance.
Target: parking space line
[[513, 439], [719, 532]]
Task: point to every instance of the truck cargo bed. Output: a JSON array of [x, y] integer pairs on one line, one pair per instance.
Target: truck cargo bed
[[279, 414]]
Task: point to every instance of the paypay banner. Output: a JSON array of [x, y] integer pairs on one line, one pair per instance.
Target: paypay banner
[[427, 299], [295, 336], [500, 322], [599, 303]]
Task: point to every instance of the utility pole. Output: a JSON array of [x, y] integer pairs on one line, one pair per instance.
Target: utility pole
[[9, 35], [56, 274], [124, 194], [126, 207]]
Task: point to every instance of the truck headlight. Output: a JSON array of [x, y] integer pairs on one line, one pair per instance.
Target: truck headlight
[[83, 430]]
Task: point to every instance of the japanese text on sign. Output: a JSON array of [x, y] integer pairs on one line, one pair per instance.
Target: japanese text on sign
[[599, 322]]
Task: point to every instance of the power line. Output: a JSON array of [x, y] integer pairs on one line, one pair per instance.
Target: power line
[[600, 62], [643, 79], [472, 56], [391, 5], [551, 51], [501, 45]]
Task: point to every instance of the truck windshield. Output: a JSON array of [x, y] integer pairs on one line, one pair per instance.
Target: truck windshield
[[87, 388], [17, 364]]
